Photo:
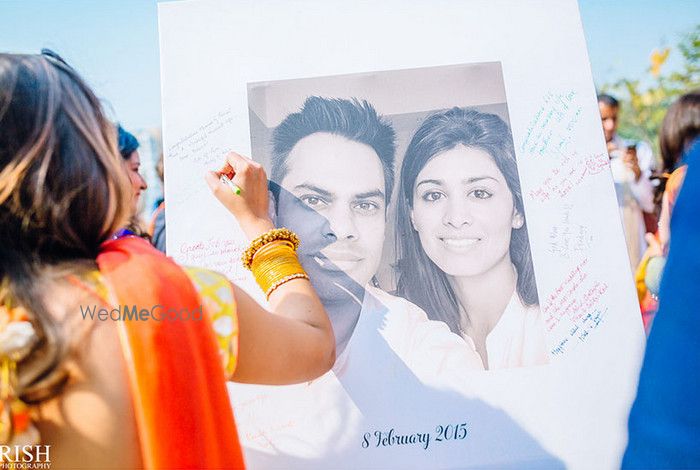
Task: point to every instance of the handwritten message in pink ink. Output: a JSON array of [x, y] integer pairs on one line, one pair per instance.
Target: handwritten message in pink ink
[[219, 254], [572, 310], [265, 436], [568, 173]]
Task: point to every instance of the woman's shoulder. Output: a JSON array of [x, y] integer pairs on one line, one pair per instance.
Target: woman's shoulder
[[205, 279], [219, 302], [214, 289], [208, 284]]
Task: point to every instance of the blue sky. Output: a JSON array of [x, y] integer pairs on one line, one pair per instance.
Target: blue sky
[[114, 43]]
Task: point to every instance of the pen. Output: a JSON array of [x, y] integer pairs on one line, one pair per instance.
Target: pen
[[236, 190]]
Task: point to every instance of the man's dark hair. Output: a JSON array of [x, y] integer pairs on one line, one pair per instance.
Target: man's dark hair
[[353, 119], [608, 100]]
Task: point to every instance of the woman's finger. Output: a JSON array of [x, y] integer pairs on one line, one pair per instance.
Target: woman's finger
[[218, 189], [227, 170], [238, 162]]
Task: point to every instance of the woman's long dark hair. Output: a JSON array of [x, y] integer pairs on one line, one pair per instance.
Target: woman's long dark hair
[[419, 279], [63, 191], [680, 127]]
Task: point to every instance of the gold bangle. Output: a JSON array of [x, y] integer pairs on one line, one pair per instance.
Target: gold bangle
[[274, 264], [275, 261], [267, 237], [291, 277]]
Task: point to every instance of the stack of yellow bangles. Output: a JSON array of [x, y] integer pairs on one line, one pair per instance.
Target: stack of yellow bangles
[[273, 260]]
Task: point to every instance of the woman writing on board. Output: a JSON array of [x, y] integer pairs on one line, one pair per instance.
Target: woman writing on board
[[80, 371]]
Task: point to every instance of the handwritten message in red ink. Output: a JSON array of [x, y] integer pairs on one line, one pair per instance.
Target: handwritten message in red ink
[[569, 172], [219, 254], [572, 310]]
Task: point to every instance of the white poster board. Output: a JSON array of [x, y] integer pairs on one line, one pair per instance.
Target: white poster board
[[232, 72]]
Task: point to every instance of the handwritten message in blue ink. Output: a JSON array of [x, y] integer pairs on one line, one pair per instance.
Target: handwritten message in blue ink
[[201, 146], [550, 130]]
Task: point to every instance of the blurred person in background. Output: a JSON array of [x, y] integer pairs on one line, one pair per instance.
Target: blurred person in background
[[127, 393], [680, 127], [631, 164], [128, 148], [664, 423], [156, 228]]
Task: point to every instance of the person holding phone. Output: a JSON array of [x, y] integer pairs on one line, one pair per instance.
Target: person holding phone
[[631, 164]]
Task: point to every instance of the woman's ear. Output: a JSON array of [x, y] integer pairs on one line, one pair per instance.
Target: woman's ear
[[518, 219], [413, 222]]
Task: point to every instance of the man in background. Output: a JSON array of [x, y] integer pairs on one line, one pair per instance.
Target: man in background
[[631, 164]]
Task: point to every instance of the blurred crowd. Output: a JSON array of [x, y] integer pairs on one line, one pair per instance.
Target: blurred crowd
[[659, 201], [647, 186]]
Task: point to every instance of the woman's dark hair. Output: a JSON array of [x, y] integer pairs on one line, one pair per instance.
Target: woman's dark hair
[[680, 127], [419, 279], [63, 191], [126, 142]]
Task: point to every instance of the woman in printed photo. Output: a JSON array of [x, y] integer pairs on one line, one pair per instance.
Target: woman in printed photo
[[463, 249]]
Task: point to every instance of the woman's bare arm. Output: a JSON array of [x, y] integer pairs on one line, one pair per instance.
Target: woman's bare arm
[[292, 342]]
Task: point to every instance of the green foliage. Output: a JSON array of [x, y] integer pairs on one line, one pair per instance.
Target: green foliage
[[644, 102]]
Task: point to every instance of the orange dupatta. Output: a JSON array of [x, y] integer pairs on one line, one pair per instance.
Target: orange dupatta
[[183, 411]]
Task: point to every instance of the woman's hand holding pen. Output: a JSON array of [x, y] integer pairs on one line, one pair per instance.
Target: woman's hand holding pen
[[244, 194]]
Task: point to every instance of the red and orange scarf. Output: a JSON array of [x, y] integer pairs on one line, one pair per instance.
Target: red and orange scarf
[[183, 412]]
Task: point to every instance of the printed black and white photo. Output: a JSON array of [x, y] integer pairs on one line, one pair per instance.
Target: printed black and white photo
[[446, 173], [404, 189]]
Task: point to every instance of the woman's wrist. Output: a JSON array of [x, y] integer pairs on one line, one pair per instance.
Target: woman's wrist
[[255, 227]]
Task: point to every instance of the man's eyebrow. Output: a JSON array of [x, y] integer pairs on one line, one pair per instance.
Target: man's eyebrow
[[314, 188], [370, 194]]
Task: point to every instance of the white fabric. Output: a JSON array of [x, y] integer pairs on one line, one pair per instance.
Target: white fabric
[[428, 348], [518, 339], [633, 197], [395, 360]]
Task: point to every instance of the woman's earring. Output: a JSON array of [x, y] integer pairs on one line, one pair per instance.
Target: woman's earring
[[518, 220]]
